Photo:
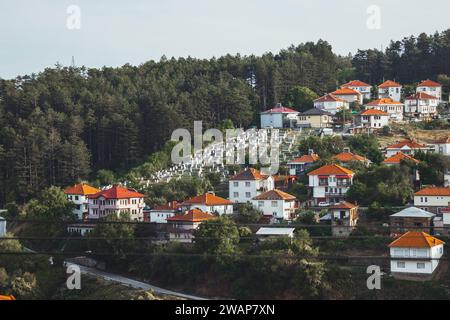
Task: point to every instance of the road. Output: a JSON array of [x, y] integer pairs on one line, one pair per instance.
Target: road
[[132, 283]]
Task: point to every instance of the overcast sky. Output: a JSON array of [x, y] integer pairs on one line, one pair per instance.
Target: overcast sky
[[34, 34]]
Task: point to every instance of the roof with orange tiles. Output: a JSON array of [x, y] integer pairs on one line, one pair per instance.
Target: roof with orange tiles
[[444, 140], [193, 215], [409, 143], [307, 158], [280, 110], [345, 92], [421, 96], [356, 83], [207, 199], [429, 83], [331, 169], [389, 84], [4, 298], [169, 206], [433, 191], [117, 192], [249, 174], [398, 157], [343, 205], [383, 102], [374, 112], [275, 195], [329, 98], [348, 157], [415, 239], [81, 189]]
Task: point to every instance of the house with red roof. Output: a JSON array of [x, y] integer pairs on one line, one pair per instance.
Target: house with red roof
[[415, 252], [363, 88], [330, 183], [432, 199], [299, 165], [160, 214], [390, 89], [276, 204], [279, 117], [208, 202], [408, 147], [117, 200], [372, 119], [395, 109], [442, 146], [247, 184], [348, 94], [397, 158], [78, 194], [346, 157], [181, 227], [431, 88], [344, 218], [421, 105], [331, 103]]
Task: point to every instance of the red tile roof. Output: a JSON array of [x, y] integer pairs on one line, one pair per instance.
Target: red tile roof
[[346, 92], [81, 189], [307, 158], [194, 215], [330, 169], [421, 96], [117, 192], [429, 83], [409, 143], [281, 110], [207, 199], [415, 239], [348, 157], [249, 174], [274, 195], [398, 157], [444, 140], [382, 102], [170, 206], [389, 84], [356, 83], [329, 98], [374, 112], [343, 205], [4, 298], [434, 191]]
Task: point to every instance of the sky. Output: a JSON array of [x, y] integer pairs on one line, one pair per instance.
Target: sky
[[35, 35]]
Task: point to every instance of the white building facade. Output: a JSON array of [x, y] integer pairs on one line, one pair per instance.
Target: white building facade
[[248, 184], [277, 204], [390, 89], [432, 88]]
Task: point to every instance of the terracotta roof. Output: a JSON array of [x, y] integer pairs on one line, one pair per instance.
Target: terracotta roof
[[81, 189], [421, 96], [7, 298], [280, 110], [207, 199], [249, 174], [434, 191], [329, 98], [398, 157], [356, 83], [348, 156], [343, 205], [330, 169], [274, 195], [389, 84], [374, 112], [415, 239], [170, 206], [194, 215], [444, 140], [382, 102], [345, 92], [117, 192], [429, 83], [307, 158], [409, 143]]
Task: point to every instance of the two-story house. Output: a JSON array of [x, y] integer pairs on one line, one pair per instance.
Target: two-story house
[[247, 184], [315, 118], [349, 95], [276, 203], [363, 88], [160, 214], [299, 165], [408, 147], [208, 202], [344, 218], [279, 117], [390, 89], [411, 219], [395, 109], [421, 105], [78, 194], [372, 119], [442, 146], [430, 87], [331, 103], [432, 199], [346, 157], [181, 227]]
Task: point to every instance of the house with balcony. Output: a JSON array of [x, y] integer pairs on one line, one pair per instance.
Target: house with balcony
[[390, 89], [442, 146], [344, 218], [116, 200], [363, 88], [279, 117], [349, 95], [372, 119], [395, 109], [408, 147], [415, 253], [431, 88], [78, 195], [331, 104], [421, 106], [432, 199], [330, 183], [181, 227], [208, 202], [301, 164], [276, 204], [411, 219], [247, 184]]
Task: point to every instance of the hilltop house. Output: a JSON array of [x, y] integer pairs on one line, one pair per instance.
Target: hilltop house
[[363, 88], [116, 200], [432, 199], [279, 117], [393, 108], [181, 227], [330, 183], [160, 214], [372, 119], [349, 95], [347, 157], [442, 146], [331, 103], [208, 202], [344, 218], [416, 253], [430, 87], [78, 194], [247, 184], [411, 219], [421, 105], [276, 203], [407, 147], [315, 118], [390, 89], [299, 165]]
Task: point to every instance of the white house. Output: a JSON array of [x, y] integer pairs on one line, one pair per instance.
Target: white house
[[299, 165], [331, 103], [160, 214], [2, 227], [363, 88], [208, 202], [330, 183], [80, 228], [421, 105], [279, 117], [407, 147], [276, 203], [432, 199], [349, 95], [415, 253], [117, 200], [442, 146], [182, 226], [78, 194], [247, 184], [393, 108], [430, 87], [390, 89], [373, 119], [264, 233]]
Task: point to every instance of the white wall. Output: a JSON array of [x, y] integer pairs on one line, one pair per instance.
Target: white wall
[[432, 91], [427, 256], [81, 203], [2, 227], [279, 209], [100, 207], [431, 201], [160, 216], [245, 190], [274, 120], [395, 93], [443, 148]]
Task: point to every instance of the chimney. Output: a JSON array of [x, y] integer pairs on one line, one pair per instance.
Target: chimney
[[347, 149]]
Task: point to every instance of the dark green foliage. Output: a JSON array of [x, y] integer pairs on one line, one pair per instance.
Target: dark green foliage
[[248, 214]]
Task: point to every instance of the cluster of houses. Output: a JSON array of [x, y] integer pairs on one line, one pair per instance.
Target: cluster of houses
[[387, 107]]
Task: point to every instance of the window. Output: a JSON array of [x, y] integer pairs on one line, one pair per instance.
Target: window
[[400, 265], [236, 194], [76, 197], [235, 184], [274, 204], [420, 265], [260, 204], [248, 195], [247, 184]]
